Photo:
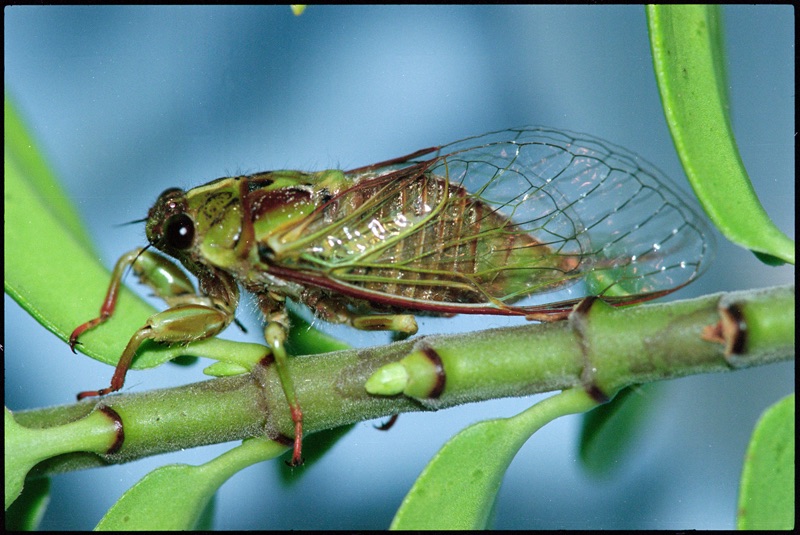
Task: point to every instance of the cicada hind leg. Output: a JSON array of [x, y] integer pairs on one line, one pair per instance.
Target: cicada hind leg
[[333, 310]]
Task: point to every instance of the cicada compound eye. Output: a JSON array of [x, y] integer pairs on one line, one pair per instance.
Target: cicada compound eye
[[179, 231]]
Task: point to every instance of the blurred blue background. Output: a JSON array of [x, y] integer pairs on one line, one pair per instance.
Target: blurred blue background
[[127, 101]]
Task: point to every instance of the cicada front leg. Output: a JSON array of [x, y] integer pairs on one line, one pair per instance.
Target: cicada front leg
[[191, 317]]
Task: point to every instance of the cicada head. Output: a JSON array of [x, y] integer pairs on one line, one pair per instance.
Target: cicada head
[[169, 227], [202, 225]]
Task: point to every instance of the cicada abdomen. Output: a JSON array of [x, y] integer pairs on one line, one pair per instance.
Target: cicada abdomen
[[421, 239]]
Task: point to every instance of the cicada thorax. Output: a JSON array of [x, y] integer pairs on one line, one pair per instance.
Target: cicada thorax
[[228, 216], [411, 238]]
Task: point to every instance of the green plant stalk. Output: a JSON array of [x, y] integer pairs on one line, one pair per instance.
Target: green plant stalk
[[623, 346]]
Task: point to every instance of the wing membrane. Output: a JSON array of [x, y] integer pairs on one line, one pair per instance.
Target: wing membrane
[[481, 223]]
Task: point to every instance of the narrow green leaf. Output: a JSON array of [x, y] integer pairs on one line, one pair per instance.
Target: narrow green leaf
[[689, 62], [62, 295], [766, 494], [174, 497], [457, 489]]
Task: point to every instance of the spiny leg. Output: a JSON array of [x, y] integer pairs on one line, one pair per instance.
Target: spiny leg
[[179, 324], [328, 309], [110, 301], [191, 317]]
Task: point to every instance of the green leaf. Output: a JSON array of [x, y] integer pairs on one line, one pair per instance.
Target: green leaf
[[689, 62], [27, 511], [22, 150], [609, 432], [62, 295], [457, 489], [174, 497], [41, 231], [766, 494]]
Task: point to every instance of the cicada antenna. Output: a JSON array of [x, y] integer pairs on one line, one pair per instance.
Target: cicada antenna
[[135, 221]]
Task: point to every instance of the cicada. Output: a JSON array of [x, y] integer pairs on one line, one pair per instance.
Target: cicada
[[477, 226]]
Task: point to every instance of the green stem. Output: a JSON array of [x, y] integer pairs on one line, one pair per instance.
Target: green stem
[[621, 346]]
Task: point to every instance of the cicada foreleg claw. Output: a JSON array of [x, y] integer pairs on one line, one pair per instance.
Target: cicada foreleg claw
[[167, 280]]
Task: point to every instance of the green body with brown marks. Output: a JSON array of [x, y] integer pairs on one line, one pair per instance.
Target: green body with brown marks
[[400, 242]]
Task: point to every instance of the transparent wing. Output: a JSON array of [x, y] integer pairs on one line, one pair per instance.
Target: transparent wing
[[623, 218], [477, 225]]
